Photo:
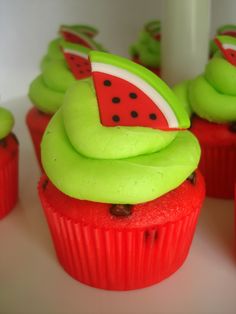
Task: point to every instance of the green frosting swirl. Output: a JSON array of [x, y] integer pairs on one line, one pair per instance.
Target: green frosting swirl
[[6, 122], [54, 53], [212, 95], [47, 90], [147, 49], [126, 165]]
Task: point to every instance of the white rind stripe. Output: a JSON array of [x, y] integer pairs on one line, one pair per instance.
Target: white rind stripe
[[142, 85], [229, 46], [76, 53]]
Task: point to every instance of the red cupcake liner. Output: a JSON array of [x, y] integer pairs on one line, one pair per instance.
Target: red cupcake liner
[[119, 259], [218, 157], [37, 123], [157, 71], [9, 180]]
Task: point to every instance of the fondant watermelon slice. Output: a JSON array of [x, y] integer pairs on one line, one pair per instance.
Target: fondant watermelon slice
[[130, 95], [76, 35], [77, 59], [228, 29], [227, 45], [154, 29]]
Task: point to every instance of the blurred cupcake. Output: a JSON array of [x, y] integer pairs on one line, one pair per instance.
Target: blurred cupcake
[[8, 164], [147, 50], [121, 192], [212, 98], [48, 89], [228, 29]]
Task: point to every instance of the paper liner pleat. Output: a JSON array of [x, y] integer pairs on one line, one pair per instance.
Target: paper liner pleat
[[120, 259], [218, 166], [8, 185]]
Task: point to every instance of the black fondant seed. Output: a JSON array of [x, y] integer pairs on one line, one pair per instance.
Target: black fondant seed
[[107, 83], [232, 127], [78, 65], [152, 116], [133, 95], [116, 118], [115, 100], [134, 114], [81, 72], [121, 210], [72, 57]]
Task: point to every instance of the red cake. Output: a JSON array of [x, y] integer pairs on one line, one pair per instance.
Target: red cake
[[218, 163], [8, 174], [158, 227]]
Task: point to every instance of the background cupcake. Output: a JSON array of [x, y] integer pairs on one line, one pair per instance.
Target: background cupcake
[[8, 164], [119, 193], [228, 29], [47, 90], [147, 49], [212, 97]]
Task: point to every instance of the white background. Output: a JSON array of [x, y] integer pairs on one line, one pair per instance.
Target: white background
[[31, 281], [26, 27]]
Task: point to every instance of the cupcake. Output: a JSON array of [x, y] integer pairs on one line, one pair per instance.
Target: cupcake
[[228, 29], [121, 190], [8, 164], [47, 90], [147, 50], [212, 98], [77, 34]]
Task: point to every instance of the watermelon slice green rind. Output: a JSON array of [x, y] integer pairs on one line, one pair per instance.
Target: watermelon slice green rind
[[79, 28], [226, 40], [144, 77], [226, 28], [153, 26]]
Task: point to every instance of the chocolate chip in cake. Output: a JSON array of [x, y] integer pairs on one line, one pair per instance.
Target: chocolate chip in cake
[[3, 142], [44, 185], [192, 178], [232, 127], [121, 210]]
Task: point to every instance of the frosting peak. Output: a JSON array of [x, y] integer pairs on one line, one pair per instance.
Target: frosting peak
[[6, 122]]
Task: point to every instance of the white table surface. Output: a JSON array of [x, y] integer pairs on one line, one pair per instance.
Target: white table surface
[[32, 281]]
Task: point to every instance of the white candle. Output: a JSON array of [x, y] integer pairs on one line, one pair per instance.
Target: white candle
[[185, 38]]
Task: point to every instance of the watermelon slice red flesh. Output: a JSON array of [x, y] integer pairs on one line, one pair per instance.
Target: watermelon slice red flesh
[[75, 38], [229, 54], [123, 104], [79, 66], [229, 33]]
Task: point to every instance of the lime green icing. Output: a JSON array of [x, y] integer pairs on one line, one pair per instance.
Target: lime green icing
[[83, 158], [147, 49], [6, 122], [43, 97], [54, 53], [150, 78], [212, 95], [181, 90]]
